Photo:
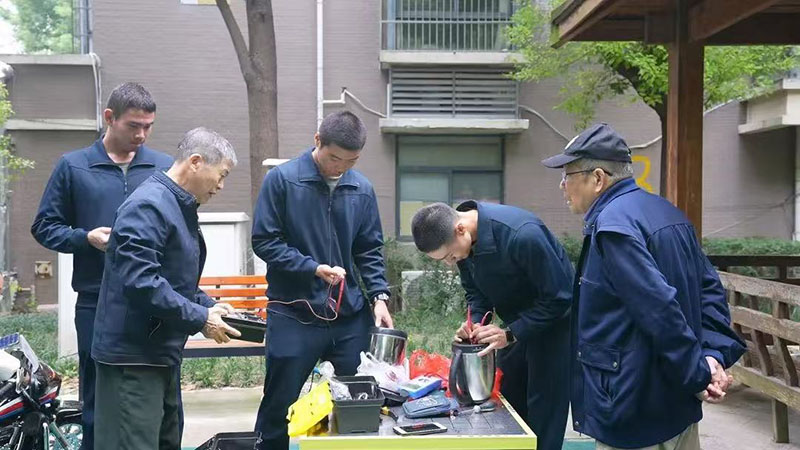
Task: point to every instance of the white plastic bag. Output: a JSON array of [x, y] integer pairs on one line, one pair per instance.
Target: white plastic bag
[[388, 376]]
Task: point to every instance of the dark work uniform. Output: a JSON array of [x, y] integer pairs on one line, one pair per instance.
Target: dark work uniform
[[520, 270], [301, 222], [83, 193]]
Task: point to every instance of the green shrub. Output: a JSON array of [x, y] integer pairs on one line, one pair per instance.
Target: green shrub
[[398, 257], [572, 245], [750, 246]]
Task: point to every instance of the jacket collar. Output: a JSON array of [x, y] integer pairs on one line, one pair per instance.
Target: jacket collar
[[99, 156], [186, 200], [619, 188], [485, 244], [310, 172]]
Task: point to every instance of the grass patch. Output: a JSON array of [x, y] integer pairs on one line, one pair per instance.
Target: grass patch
[[218, 372]]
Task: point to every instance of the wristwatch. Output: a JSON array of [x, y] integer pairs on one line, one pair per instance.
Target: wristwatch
[[510, 338], [382, 296]]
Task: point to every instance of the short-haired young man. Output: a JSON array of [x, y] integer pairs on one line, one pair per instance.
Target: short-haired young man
[[78, 206], [512, 264], [316, 226]]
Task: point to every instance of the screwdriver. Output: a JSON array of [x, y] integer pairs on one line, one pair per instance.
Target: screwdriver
[[388, 412]]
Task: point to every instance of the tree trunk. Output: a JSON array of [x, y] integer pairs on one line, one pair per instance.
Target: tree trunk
[[662, 186], [258, 63], [661, 111], [262, 90], [262, 106]]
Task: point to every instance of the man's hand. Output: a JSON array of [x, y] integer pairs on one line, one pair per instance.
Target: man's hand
[[462, 335], [489, 334], [215, 328], [330, 274], [720, 381], [230, 309], [719, 377], [98, 238], [382, 316]]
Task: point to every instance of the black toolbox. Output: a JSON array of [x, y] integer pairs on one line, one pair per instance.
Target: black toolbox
[[232, 441], [252, 327], [358, 416]]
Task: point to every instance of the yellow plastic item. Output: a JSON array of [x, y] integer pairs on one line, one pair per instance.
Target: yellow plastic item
[[310, 409]]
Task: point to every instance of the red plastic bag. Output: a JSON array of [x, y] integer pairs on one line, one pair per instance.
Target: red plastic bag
[[430, 364], [435, 365]]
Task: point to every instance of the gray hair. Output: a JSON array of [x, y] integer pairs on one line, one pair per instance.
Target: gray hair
[[207, 143], [618, 170], [433, 226]]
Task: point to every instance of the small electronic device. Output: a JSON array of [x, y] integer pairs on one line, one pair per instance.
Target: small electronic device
[[420, 429], [420, 386], [433, 405]]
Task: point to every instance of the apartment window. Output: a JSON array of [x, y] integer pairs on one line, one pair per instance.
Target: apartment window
[[452, 25], [449, 169]]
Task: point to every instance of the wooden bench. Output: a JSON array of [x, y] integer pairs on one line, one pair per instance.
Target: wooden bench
[[768, 366], [246, 293]]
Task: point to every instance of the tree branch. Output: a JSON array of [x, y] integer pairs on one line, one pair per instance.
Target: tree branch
[[245, 63]]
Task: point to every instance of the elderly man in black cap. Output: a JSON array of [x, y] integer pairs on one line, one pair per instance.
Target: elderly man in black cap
[[651, 333]]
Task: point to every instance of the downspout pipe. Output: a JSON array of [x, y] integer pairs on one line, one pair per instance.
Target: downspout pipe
[[320, 65]]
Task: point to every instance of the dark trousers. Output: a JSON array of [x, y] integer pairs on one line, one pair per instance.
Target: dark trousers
[[85, 310], [292, 350], [536, 382], [137, 408], [514, 385]]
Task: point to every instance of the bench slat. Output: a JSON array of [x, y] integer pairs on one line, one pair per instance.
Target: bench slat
[[235, 292], [246, 303], [233, 280]]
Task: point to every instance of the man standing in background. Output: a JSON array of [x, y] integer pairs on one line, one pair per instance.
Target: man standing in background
[[78, 207]]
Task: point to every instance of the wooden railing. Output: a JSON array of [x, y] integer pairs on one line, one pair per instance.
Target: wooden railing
[[768, 365], [780, 264]]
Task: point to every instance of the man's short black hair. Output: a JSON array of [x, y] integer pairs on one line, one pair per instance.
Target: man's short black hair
[[130, 96], [343, 129], [433, 226]]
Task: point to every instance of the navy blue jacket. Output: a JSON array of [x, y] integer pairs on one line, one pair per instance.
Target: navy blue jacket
[[149, 300], [84, 192], [518, 268], [299, 224], [649, 307]]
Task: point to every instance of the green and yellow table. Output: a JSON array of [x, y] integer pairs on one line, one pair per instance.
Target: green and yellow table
[[502, 429]]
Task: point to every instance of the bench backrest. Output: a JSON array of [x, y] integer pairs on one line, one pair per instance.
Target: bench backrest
[[246, 292]]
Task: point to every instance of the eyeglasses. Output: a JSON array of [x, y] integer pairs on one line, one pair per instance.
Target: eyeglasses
[[564, 175]]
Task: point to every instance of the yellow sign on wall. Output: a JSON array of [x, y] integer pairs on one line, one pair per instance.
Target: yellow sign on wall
[[641, 180]]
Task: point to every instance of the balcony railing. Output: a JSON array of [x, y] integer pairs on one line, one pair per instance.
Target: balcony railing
[[446, 25]]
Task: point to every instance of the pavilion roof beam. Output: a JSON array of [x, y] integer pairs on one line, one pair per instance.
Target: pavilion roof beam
[[710, 17], [573, 18]]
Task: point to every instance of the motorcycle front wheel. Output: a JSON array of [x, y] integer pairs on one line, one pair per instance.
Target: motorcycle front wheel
[[72, 430]]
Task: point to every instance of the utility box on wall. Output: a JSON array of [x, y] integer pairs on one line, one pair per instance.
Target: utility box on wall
[[226, 236]]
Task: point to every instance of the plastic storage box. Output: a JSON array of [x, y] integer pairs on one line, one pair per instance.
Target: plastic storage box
[[232, 441], [358, 416]]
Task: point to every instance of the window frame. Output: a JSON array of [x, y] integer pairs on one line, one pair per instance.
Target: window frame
[[450, 171]]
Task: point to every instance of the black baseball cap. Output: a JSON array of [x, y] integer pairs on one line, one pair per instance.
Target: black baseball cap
[[600, 141]]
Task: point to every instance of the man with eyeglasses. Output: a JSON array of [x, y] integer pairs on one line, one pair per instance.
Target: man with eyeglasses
[[512, 264], [651, 334]]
